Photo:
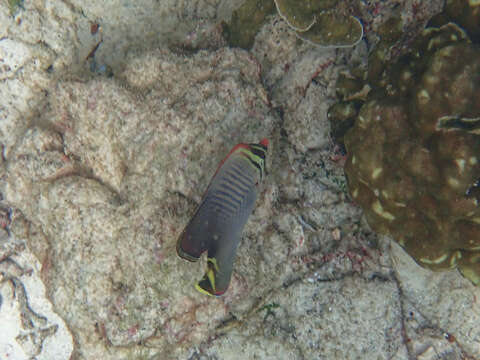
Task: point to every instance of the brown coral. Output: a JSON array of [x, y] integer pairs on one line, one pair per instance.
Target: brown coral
[[321, 22], [414, 152]]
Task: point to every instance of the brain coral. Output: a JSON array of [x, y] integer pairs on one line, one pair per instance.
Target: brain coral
[[414, 152]]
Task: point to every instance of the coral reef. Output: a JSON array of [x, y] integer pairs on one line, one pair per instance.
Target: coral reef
[[246, 21], [99, 174], [323, 23], [464, 12], [414, 152]]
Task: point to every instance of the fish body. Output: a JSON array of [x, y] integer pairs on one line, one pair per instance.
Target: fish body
[[217, 224]]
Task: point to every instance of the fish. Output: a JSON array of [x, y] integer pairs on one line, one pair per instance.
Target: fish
[[217, 224]]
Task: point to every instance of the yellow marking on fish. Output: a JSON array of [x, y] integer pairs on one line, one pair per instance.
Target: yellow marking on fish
[[213, 261], [202, 290], [211, 278], [252, 156]]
